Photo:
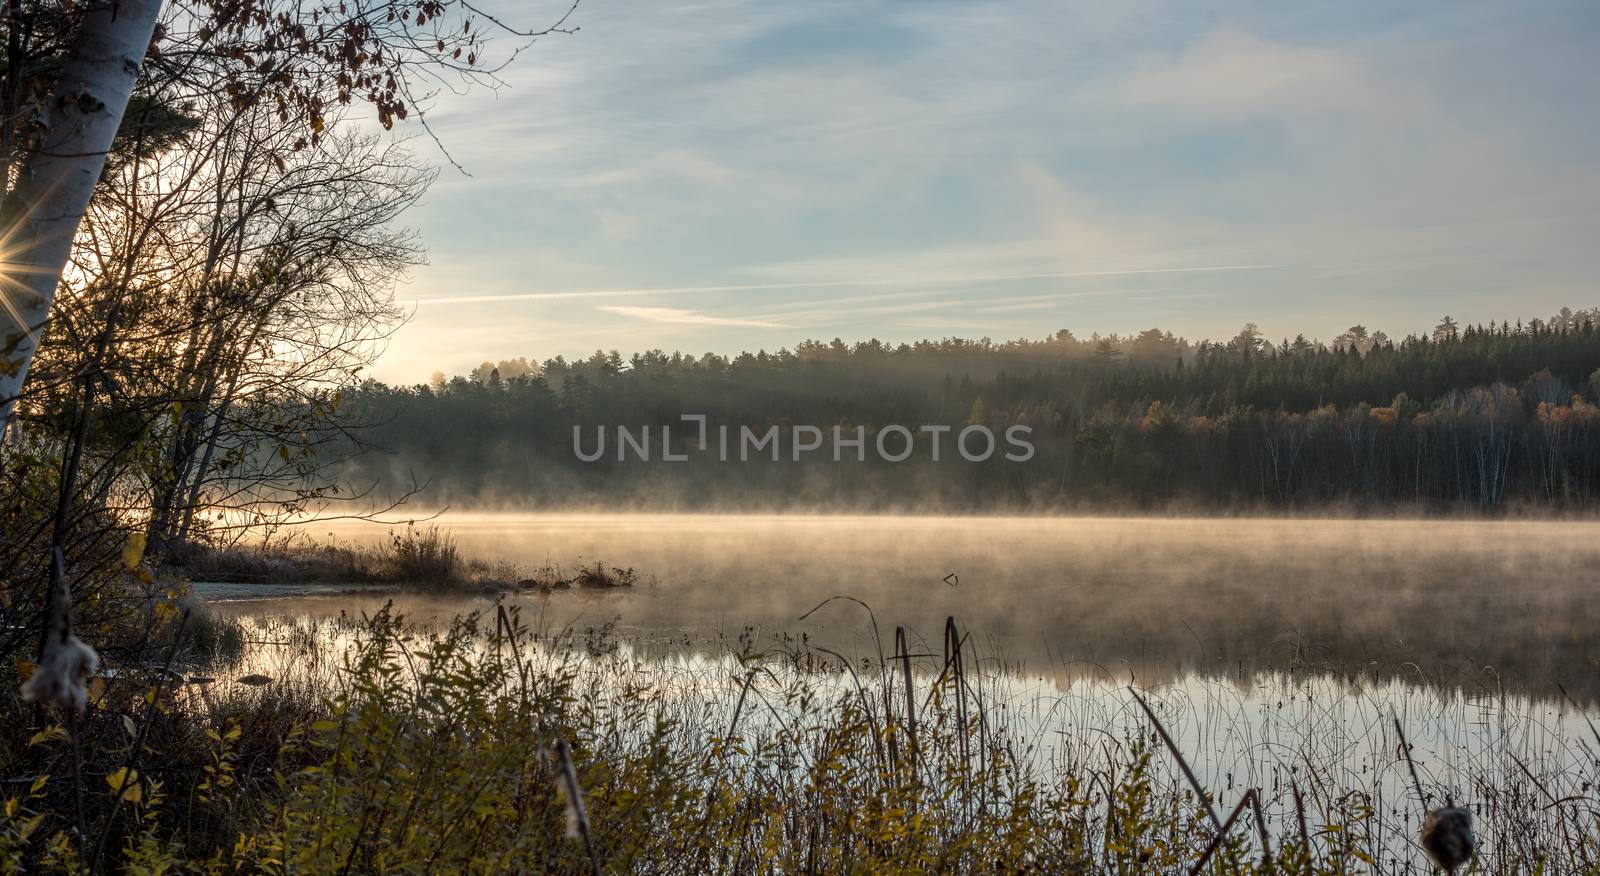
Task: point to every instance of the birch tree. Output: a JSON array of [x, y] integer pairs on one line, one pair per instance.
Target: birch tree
[[71, 71], [305, 62], [75, 129]]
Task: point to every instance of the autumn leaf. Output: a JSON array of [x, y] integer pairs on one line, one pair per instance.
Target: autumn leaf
[[126, 782], [133, 549]]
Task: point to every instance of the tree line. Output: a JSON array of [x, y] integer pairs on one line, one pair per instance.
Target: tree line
[[1479, 417]]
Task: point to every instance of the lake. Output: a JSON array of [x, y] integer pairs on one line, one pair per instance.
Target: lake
[[1279, 653], [1479, 605]]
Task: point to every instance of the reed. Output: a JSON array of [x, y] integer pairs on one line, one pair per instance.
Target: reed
[[381, 745]]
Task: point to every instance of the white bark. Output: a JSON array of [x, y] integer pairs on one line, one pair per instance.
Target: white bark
[[55, 183]]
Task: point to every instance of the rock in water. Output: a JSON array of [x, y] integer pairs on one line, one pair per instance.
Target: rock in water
[[1447, 837]]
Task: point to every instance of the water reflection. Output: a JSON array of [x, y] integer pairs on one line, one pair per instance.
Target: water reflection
[[1277, 652], [1328, 736], [1480, 605]]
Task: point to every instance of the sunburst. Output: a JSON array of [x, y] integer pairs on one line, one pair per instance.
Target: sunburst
[[18, 241]]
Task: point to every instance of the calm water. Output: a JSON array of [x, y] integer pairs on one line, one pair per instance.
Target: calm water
[[1480, 606], [1276, 651]]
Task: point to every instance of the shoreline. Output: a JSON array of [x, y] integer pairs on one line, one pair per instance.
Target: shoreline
[[421, 560]]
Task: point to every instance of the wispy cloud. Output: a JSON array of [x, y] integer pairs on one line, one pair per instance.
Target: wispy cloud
[[676, 316], [908, 280], [893, 169]]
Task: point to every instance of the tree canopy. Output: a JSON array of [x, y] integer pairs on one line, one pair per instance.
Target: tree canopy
[[1489, 416]]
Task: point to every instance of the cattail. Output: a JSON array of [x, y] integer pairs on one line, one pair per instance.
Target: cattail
[[64, 670], [65, 661], [1447, 837]]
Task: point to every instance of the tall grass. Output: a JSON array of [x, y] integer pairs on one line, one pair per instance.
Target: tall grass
[[420, 556], [425, 555], [380, 746]]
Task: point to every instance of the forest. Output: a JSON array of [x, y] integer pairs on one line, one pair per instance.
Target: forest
[[1474, 418]]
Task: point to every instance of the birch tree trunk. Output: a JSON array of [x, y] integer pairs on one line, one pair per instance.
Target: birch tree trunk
[[55, 182]]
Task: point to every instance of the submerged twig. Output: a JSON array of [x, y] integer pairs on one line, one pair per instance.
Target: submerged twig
[[1405, 749], [903, 646], [1592, 729]]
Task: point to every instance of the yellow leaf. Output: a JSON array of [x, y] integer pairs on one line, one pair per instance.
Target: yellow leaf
[[97, 688], [48, 734], [126, 783], [25, 670], [133, 549]]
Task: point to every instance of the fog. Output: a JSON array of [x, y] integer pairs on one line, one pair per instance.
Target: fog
[[1480, 605]]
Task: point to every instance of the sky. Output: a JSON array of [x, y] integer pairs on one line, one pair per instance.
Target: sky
[[727, 175]]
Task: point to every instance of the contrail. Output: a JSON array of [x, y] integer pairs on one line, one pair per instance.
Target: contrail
[[818, 284]]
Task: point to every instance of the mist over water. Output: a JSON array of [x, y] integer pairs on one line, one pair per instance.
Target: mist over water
[[1276, 651], [1478, 605]]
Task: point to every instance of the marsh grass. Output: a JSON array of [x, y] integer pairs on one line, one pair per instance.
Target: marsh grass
[[212, 636], [421, 557], [425, 558], [424, 555], [594, 576], [296, 561], [385, 746]]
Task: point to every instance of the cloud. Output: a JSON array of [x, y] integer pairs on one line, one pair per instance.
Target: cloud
[[856, 282], [677, 316], [1062, 255], [1234, 73], [796, 166]]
